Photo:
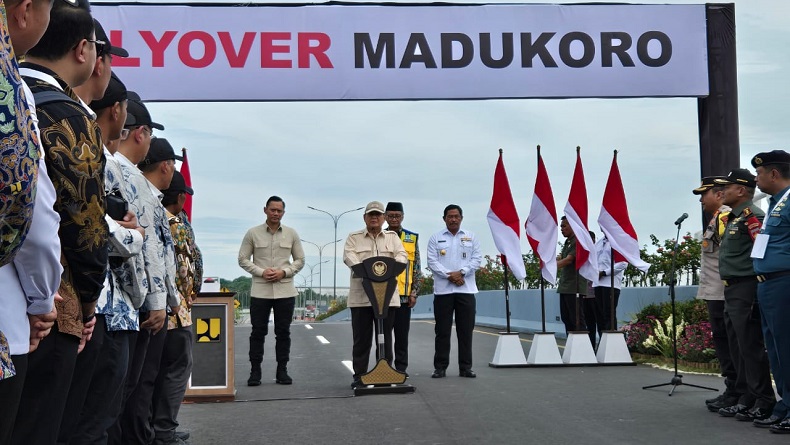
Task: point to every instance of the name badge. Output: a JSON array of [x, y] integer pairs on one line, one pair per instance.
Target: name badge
[[760, 243]]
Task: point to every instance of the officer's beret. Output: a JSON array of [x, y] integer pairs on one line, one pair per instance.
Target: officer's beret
[[771, 157], [739, 176], [707, 183]]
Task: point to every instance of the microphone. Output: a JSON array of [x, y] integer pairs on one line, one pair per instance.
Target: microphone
[[681, 219]]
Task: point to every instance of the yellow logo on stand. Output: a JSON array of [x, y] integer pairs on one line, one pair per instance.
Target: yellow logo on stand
[[208, 330]]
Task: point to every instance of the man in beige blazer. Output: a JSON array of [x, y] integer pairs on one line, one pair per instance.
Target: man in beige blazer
[[277, 256]]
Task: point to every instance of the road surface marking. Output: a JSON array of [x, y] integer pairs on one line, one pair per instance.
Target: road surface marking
[[322, 339]]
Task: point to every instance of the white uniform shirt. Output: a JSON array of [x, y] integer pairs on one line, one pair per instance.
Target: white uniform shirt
[[604, 250], [449, 253]]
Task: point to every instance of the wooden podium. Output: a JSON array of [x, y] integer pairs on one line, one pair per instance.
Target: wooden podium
[[212, 351]]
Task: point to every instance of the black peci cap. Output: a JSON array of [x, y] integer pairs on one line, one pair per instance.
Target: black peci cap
[[394, 207]]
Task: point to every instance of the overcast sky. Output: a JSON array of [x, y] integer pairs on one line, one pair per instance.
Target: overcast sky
[[338, 156]]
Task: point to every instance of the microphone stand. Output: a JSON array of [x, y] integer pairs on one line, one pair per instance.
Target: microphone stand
[[677, 379]]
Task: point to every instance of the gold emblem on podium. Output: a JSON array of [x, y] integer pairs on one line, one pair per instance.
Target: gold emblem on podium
[[379, 268]]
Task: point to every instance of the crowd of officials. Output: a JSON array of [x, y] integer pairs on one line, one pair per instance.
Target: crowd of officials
[[98, 261]]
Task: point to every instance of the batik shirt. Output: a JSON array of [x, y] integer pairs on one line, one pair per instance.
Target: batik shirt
[[197, 255], [6, 364], [124, 292], [185, 275], [75, 163], [18, 152]]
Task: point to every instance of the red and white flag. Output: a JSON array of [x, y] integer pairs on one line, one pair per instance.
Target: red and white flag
[[188, 180], [576, 214], [541, 224], [504, 223], [616, 224]]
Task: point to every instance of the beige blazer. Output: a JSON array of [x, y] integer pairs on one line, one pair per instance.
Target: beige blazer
[[281, 249]]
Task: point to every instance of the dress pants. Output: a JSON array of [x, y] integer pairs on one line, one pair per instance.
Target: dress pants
[[722, 345], [260, 308], [103, 401], [363, 324], [135, 418], [401, 331], [603, 310], [10, 393], [590, 318], [742, 318], [464, 307], [118, 402], [775, 306], [81, 380], [47, 382], [568, 312], [171, 383]]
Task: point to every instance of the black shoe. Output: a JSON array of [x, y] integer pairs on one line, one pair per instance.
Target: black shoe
[[754, 414], [731, 411], [282, 376], [723, 403], [183, 435], [767, 422], [467, 373], [782, 427], [438, 373], [255, 376], [718, 398], [357, 383]]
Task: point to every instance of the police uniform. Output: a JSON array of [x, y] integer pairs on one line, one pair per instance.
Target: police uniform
[[773, 273], [711, 290], [409, 282], [741, 312]]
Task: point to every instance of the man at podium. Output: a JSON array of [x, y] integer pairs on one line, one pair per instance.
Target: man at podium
[[361, 245]]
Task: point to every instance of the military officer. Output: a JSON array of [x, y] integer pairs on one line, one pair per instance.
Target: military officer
[[741, 312]]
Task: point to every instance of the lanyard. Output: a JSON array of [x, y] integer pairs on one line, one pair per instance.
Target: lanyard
[[768, 215]]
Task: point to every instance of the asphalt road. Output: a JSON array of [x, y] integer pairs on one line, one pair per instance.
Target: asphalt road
[[570, 405]]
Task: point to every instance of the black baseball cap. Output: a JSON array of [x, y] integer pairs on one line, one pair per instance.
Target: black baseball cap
[[137, 113], [178, 185], [739, 176], [160, 150], [115, 92], [109, 49]]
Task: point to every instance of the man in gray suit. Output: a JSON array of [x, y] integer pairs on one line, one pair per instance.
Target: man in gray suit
[[277, 256]]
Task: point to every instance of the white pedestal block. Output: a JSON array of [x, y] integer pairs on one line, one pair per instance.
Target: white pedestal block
[[578, 349], [508, 350], [613, 349], [544, 350]]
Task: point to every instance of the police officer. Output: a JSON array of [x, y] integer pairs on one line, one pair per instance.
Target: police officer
[[409, 283], [711, 290], [741, 312], [771, 255]]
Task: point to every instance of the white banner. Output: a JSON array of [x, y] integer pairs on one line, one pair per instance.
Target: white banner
[[368, 52]]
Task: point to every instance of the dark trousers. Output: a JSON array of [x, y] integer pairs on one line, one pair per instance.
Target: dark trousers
[[47, 382], [135, 419], [464, 307], [171, 383], [604, 309], [742, 318], [103, 401], [260, 308], [722, 345], [10, 394], [363, 324], [81, 380], [569, 312], [588, 309], [774, 301], [400, 328], [118, 402]]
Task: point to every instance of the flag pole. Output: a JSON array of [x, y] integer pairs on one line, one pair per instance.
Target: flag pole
[[542, 286], [611, 289], [576, 256], [507, 295]]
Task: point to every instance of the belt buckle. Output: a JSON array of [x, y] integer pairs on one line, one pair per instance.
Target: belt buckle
[[761, 278]]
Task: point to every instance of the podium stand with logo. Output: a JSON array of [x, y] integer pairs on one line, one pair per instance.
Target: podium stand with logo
[[212, 350], [379, 280]]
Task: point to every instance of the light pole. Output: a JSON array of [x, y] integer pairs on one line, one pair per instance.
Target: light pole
[[312, 274], [320, 257], [335, 218]]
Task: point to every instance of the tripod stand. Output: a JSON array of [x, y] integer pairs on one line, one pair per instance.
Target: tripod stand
[[677, 379]]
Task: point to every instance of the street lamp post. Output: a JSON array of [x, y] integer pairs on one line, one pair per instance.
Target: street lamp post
[[320, 258], [335, 218], [312, 274]]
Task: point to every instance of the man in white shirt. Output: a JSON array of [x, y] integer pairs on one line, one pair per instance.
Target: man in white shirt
[[606, 295], [453, 257]]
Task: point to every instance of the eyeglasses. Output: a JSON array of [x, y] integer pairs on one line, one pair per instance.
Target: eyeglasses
[[394, 216], [124, 134], [101, 45]]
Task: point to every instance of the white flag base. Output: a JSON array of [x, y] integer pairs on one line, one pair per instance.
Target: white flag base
[[544, 350], [508, 351], [578, 349], [613, 349]]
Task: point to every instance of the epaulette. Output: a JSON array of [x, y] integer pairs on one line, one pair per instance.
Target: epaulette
[[747, 211]]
